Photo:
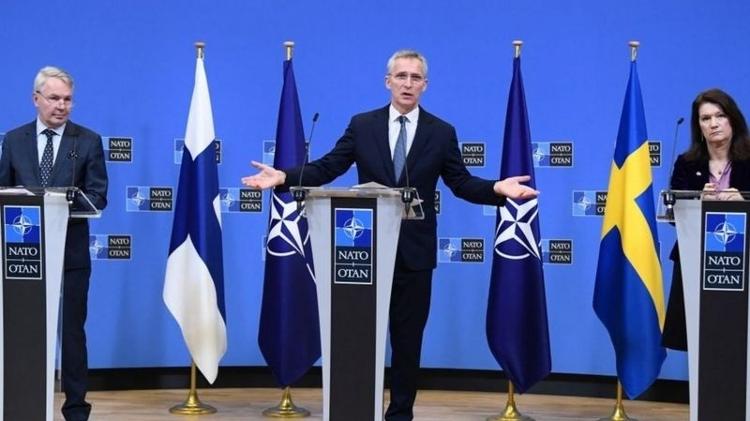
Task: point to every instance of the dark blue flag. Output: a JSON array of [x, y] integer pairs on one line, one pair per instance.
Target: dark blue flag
[[517, 309], [289, 333]]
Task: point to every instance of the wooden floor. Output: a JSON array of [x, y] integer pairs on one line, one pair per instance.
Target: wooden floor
[[248, 404]]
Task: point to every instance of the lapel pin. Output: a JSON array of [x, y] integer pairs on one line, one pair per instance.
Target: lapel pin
[[698, 173]]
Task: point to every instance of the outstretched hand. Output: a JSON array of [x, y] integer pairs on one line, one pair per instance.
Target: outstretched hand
[[267, 177], [512, 188]]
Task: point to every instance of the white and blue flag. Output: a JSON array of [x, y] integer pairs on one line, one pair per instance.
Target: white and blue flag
[[194, 282]]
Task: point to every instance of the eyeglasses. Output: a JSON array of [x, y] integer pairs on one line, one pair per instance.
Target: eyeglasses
[[54, 99], [403, 77]]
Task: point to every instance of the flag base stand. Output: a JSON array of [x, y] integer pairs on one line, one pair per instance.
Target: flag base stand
[[510, 413], [286, 408], [619, 412], [192, 405]]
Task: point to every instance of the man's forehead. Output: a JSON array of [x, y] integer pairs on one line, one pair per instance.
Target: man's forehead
[[408, 64]]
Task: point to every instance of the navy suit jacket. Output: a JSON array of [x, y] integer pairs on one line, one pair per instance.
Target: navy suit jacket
[[433, 154], [19, 166]]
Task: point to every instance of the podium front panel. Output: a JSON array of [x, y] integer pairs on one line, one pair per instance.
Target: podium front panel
[[33, 240], [24, 310], [722, 375], [353, 308], [713, 245], [354, 241]]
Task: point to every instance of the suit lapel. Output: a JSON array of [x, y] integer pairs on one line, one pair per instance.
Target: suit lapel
[[424, 128], [30, 151], [380, 132], [61, 160]]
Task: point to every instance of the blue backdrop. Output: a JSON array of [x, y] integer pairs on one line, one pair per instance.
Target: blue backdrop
[[134, 66]]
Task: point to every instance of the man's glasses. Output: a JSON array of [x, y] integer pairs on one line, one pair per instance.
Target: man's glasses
[[54, 99]]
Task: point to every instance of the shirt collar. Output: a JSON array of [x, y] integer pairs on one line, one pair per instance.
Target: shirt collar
[[40, 127], [394, 114]]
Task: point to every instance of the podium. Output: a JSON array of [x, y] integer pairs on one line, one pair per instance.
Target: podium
[[354, 234], [713, 242], [35, 223]]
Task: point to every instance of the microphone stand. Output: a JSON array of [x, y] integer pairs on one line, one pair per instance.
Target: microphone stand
[[299, 194]]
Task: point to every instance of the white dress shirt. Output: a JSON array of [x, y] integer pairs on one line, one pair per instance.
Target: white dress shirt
[[394, 126]]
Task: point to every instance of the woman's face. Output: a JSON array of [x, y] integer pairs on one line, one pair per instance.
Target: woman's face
[[714, 124]]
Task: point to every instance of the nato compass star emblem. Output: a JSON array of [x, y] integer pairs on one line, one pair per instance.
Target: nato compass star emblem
[[285, 219], [22, 225], [95, 247], [353, 228], [538, 154], [725, 233], [584, 203], [228, 199], [137, 198], [514, 237], [450, 250]]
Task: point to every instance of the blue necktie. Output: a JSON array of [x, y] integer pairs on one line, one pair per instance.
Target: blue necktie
[[399, 153], [45, 166]]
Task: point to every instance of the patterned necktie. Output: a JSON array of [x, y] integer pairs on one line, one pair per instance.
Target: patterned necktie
[[399, 153], [45, 166]]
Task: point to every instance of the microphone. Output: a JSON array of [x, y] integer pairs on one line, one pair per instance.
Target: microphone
[[669, 198], [407, 194], [73, 156], [299, 194]]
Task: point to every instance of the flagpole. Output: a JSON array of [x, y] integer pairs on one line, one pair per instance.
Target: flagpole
[[192, 404], [618, 413], [510, 413], [286, 407]]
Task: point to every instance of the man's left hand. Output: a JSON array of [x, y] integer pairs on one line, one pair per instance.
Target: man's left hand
[[511, 187]]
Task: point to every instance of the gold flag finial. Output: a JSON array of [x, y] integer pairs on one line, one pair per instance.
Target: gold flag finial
[[199, 46], [289, 46], [517, 44], [634, 49]]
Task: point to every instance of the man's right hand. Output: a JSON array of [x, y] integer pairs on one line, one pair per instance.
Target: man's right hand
[[267, 177]]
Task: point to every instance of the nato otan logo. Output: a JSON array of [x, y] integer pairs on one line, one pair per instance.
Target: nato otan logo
[[472, 153], [557, 252], [269, 150], [589, 202], [22, 242], [148, 198], [654, 153], [552, 154], [724, 252], [110, 246], [460, 250], [179, 146], [353, 245], [118, 149], [235, 199]]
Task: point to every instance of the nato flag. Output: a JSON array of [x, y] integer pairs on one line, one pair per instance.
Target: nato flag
[[517, 309], [289, 333]]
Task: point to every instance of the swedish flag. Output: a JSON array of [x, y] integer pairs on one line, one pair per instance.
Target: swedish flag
[[628, 296]]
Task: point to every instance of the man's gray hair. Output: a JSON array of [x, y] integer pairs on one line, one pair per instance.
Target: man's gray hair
[[407, 54], [47, 72]]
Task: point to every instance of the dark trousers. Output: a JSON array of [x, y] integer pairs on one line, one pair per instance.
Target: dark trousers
[[410, 306], [74, 355]]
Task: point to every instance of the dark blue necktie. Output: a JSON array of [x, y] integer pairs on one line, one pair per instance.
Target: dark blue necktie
[[399, 153], [45, 166]]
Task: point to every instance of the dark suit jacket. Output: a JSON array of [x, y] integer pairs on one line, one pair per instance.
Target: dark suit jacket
[[19, 166], [434, 153]]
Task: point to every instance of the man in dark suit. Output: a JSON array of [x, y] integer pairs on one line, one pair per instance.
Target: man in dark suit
[[379, 142], [55, 152]]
